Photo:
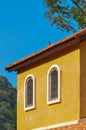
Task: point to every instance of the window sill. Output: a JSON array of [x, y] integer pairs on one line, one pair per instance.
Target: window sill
[[29, 108], [53, 101]]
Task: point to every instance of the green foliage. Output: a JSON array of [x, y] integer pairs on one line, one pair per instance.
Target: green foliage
[[7, 105], [66, 15]]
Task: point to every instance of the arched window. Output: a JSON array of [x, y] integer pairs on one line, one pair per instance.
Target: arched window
[[29, 92], [53, 84]]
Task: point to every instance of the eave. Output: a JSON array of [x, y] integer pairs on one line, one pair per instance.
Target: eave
[[50, 50]]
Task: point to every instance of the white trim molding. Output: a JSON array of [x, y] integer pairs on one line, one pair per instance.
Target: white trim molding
[[55, 66], [25, 83], [74, 122]]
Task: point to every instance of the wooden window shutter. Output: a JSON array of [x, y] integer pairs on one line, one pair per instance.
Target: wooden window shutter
[[54, 84], [29, 93]]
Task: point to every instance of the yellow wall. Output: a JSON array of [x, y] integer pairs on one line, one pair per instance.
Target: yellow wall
[[44, 114]]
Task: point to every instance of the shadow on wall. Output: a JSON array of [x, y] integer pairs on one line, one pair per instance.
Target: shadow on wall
[[83, 80]]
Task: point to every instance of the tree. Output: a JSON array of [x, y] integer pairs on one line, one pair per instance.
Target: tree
[[8, 102], [66, 15]]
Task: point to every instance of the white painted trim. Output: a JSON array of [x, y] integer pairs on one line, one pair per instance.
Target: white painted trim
[[58, 125], [31, 107], [58, 99]]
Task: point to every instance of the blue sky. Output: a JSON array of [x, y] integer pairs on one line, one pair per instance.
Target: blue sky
[[23, 31]]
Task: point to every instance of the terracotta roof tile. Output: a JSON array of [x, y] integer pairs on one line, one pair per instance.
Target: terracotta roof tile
[[69, 38]]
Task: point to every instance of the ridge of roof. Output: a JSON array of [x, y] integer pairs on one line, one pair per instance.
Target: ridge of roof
[[73, 36]]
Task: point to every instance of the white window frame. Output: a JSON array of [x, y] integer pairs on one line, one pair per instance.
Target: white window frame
[[25, 85], [48, 80]]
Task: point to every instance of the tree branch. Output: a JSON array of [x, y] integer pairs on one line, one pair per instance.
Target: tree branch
[[79, 7]]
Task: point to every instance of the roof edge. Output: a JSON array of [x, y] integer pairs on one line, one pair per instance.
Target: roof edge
[[78, 35]]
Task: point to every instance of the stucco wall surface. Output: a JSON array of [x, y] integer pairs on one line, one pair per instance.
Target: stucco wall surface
[[68, 107]]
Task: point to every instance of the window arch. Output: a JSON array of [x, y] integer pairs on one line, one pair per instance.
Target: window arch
[[29, 92], [53, 84]]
